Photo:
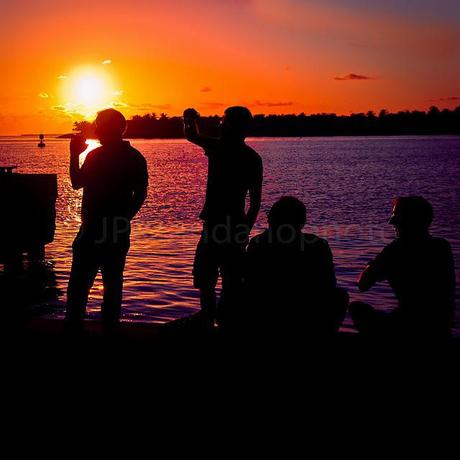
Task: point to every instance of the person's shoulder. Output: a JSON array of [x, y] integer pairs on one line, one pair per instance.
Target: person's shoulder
[[440, 243], [134, 153], [392, 250], [260, 239], [132, 150], [252, 153], [254, 159], [96, 150], [212, 146], [93, 154], [394, 246], [315, 240]]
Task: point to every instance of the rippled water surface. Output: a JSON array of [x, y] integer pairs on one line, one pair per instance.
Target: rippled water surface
[[346, 183]]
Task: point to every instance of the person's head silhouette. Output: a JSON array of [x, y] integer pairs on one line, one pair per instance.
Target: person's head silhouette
[[287, 217], [236, 123], [110, 126], [411, 216]]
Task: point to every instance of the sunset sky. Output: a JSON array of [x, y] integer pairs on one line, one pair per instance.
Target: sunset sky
[[64, 60]]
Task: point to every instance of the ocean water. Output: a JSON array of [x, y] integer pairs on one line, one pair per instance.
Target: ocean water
[[347, 184]]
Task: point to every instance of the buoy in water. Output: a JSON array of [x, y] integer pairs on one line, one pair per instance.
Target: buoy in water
[[41, 143]]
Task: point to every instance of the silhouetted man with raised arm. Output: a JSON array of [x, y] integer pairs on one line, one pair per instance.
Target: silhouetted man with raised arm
[[420, 270], [114, 179], [234, 170], [290, 279]]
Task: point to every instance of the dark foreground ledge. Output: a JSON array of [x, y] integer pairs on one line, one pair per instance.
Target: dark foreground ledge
[[145, 356], [187, 333]]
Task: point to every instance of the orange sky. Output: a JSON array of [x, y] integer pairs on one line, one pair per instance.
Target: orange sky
[[276, 56]]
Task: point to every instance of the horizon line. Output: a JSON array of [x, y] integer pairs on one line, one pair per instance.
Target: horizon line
[[254, 114]]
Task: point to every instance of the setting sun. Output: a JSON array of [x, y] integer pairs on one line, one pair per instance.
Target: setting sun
[[87, 91]]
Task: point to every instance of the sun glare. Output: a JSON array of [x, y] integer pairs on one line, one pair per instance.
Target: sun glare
[[87, 91]]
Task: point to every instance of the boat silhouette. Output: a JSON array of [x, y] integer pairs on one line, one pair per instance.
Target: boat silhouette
[[41, 144]]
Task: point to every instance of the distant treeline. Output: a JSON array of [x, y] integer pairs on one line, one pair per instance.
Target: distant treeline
[[434, 121]]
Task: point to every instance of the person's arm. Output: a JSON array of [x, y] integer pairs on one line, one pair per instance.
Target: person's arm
[[450, 268], [367, 279], [140, 190], [451, 282], [77, 147], [445, 297], [192, 131], [329, 278], [375, 271], [139, 196], [255, 197], [251, 267]]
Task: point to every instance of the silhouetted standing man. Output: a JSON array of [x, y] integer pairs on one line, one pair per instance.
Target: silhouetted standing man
[[234, 170], [420, 270], [114, 179]]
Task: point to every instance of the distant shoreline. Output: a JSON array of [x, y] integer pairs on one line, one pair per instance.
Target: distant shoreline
[[432, 122], [69, 135]]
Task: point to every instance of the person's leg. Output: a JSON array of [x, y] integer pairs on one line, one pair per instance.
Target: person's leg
[[366, 319], [36, 255], [324, 313], [232, 268], [208, 303], [85, 265], [112, 267], [13, 261], [205, 276], [338, 305]]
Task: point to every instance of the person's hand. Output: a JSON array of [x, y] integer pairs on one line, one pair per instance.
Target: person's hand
[[77, 145], [191, 114]]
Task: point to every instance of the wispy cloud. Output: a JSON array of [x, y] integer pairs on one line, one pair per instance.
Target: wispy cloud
[[213, 105], [119, 104], [148, 106], [43, 95], [206, 89], [62, 77], [69, 110], [273, 104], [354, 76], [449, 99], [107, 62], [119, 92]]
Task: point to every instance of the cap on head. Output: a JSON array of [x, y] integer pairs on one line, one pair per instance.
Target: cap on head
[[110, 123], [237, 121], [412, 212], [288, 211]]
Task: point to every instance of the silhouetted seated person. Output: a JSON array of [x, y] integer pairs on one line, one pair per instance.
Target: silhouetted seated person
[[114, 179], [234, 171], [290, 280], [420, 270]]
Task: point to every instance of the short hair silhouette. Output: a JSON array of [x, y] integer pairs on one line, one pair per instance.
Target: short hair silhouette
[[413, 212], [239, 118], [288, 211], [111, 121]]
